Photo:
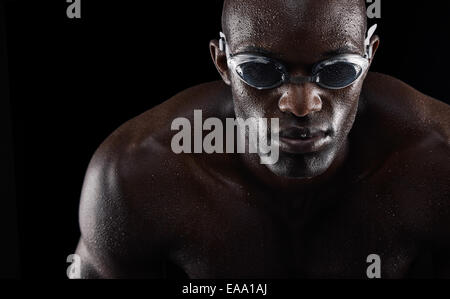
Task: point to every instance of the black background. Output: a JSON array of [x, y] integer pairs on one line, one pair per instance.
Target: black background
[[73, 82], [8, 220]]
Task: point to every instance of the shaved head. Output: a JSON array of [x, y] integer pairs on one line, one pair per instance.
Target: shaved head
[[294, 23]]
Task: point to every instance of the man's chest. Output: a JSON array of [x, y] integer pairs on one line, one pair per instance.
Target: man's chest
[[245, 236]]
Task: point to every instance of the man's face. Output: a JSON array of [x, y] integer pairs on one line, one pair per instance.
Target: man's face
[[299, 37]]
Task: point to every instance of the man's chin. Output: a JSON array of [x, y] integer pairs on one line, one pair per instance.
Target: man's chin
[[305, 166]]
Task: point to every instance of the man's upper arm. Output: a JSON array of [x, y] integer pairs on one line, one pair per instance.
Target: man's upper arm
[[442, 227], [115, 242]]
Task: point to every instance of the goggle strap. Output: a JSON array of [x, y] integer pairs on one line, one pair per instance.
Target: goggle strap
[[222, 42], [369, 52]]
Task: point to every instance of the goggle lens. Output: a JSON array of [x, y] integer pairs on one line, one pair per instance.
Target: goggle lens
[[267, 75], [260, 75], [338, 75]]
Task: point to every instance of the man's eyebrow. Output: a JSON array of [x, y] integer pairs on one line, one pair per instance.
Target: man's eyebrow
[[258, 50], [342, 50]]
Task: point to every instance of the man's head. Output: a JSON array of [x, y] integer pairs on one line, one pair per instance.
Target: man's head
[[299, 34]]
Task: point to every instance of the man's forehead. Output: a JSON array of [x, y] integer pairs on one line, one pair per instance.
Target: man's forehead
[[291, 46], [279, 25]]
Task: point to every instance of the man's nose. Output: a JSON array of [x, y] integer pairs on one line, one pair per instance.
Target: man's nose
[[300, 100]]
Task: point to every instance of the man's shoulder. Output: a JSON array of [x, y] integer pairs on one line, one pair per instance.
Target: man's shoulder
[[401, 109], [212, 98], [141, 148], [134, 176], [406, 120], [152, 130], [413, 130], [414, 124]]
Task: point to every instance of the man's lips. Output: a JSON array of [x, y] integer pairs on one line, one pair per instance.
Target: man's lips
[[300, 140], [301, 133]]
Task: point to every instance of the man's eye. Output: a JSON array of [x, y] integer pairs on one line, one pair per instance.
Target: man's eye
[[259, 74], [339, 74]]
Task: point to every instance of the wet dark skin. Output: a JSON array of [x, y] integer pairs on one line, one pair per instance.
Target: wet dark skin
[[381, 187]]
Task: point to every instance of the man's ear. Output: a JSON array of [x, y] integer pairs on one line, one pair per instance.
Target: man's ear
[[374, 44], [220, 60]]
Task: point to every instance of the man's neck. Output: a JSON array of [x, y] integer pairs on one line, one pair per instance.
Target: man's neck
[[336, 172]]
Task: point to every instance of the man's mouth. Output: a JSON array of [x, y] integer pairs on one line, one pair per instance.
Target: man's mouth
[[300, 140]]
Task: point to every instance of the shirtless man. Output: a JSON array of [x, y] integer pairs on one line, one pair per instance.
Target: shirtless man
[[363, 169]]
